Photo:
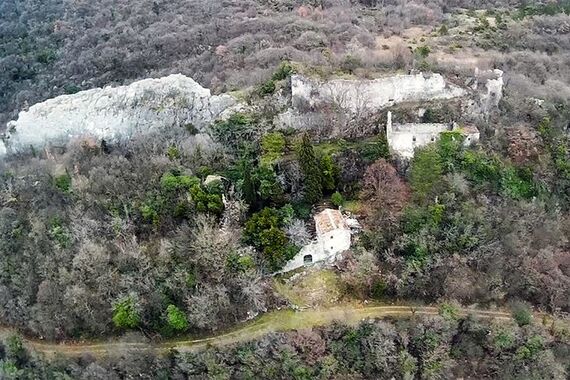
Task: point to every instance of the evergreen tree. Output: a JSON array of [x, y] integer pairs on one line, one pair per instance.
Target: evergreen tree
[[248, 184], [311, 170], [329, 173]]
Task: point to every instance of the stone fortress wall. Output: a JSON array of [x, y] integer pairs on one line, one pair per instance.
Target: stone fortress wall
[[356, 95]]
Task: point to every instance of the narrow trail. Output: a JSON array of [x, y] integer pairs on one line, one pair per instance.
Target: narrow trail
[[283, 320]]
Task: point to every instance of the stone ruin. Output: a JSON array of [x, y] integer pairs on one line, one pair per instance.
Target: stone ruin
[[338, 103], [114, 113], [360, 95], [403, 139]]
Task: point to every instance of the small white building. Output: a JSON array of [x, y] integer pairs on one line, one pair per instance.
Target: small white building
[[403, 139], [333, 237]]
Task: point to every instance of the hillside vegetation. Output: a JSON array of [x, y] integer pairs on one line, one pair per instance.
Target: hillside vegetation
[[98, 238]]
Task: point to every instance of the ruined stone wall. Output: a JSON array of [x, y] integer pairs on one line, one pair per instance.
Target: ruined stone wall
[[359, 95], [114, 113], [403, 139]]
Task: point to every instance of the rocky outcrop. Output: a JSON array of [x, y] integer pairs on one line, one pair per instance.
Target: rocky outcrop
[[493, 92], [117, 112]]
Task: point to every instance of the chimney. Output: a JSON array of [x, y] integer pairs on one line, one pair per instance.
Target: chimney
[[389, 126]]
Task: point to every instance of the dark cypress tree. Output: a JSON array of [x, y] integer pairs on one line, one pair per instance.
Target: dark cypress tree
[[311, 169], [248, 184]]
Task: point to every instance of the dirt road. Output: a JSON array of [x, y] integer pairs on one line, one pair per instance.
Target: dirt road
[[282, 320]]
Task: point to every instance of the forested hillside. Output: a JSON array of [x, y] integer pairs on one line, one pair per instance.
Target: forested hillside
[[179, 231], [425, 348]]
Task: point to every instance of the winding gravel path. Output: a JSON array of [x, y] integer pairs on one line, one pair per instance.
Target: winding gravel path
[[282, 320]]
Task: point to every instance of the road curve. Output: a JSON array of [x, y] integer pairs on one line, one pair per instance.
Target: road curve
[[282, 320]]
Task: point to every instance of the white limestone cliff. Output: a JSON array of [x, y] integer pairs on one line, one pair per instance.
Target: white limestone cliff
[[116, 112]]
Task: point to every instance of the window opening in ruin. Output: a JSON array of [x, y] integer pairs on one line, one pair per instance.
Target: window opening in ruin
[[414, 139], [308, 259]]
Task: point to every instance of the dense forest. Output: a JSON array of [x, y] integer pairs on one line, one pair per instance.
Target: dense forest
[[423, 348], [98, 238]]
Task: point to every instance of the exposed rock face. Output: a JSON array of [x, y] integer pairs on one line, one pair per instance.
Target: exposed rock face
[[359, 95], [494, 90], [114, 113]]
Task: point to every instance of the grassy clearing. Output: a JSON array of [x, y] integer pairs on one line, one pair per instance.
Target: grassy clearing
[[316, 288]]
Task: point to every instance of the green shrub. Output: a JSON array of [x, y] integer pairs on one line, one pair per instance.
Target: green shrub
[[191, 280], [424, 66], [408, 364], [504, 340], [376, 149], [448, 311], [287, 214], [423, 51], [173, 181], [273, 147], [46, 56], [426, 173], [233, 132], [302, 210], [71, 88], [530, 349], [432, 115], [283, 71], [63, 182], [450, 149], [350, 63], [269, 188], [59, 233], [126, 314], [191, 128], [149, 212], [173, 153], [522, 315], [267, 88], [176, 319], [206, 202], [481, 168], [240, 263], [14, 348], [329, 172], [263, 231], [337, 199], [378, 289], [517, 183]]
